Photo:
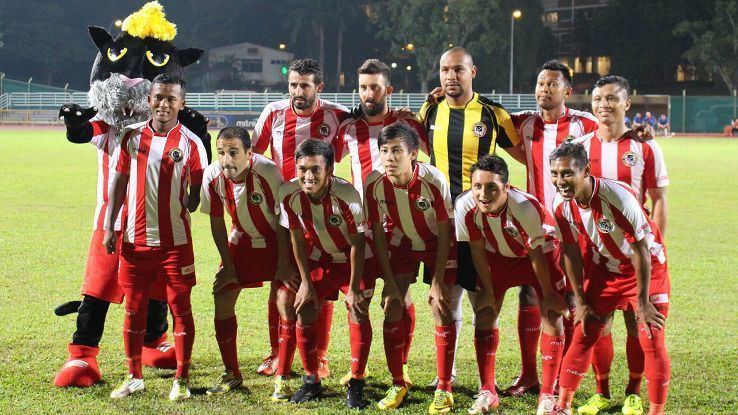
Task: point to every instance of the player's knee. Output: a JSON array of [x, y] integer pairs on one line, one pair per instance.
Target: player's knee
[[393, 312], [485, 319], [527, 296]]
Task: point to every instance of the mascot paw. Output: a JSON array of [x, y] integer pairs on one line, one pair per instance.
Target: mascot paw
[[73, 114], [159, 354], [80, 369]]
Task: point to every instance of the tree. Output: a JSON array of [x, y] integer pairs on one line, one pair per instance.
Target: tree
[[715, 42]]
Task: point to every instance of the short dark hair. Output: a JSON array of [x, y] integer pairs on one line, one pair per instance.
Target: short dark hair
[[167, 78], [307, 66], [400, 130], [557, 65], [236, 132], [614, 79], [313, 147], [493, 164], [576, 151], [373, 67]]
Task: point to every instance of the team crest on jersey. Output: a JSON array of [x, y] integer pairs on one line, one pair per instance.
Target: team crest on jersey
[[335, 220], [324, 130], [176, 155], [422, 204], [256, 198], [569, 138], [605, 225], [511, 231], [630, 158], [479, 129]]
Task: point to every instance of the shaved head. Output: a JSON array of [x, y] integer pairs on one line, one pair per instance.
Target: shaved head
[[459, 50]]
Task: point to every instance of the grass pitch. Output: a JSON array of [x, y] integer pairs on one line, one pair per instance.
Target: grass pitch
[[48, 198]]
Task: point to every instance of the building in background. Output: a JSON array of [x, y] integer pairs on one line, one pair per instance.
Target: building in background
[[245, 67]]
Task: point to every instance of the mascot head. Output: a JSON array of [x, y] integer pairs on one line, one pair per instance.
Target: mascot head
[[126, 64]]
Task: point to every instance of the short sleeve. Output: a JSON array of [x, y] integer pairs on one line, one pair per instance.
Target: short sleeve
[[210, 200], [565, 231], [123, 155], [99, 130], [197, 161], [654, 170], [261, 136], [531, 220], [507, 136]]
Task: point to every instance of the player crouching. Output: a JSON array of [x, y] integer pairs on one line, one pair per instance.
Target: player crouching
[[326, 221], [511, 236], [244, 184]]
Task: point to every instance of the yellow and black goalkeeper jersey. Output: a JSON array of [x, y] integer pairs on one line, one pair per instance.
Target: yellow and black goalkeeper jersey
[[460, 135]]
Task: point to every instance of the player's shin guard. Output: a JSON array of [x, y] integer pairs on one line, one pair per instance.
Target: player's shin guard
[[90, 321], [324, 323], [601, 363], [636, 364], [577, 360], [485, 345], [156, 321], [360, 337], [307, 340], [394, 346], [287, 345], [658, 365], [529, 330], [408, 319], [445, 339], [552, 351], [134, 327], [184, 329], [226, 336], [273, 319]]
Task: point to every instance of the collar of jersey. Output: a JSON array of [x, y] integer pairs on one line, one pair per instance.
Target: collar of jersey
[[412, 179], [595, 190], [327, 192], [317, 107], [454, 107], [148, 125], [564, 115]]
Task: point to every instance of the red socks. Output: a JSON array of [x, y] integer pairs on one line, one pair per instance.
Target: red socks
[[636, 363], [601, 363], [445, 338], [394, 346], [134, 328], [408, 318], [485, 344], [307, 340], [273, 318], [360, 336], [287, 344], [529, 329], [578, 357], [324, 323], [225, 335], [552, 349], [184, 339], [658, 366]]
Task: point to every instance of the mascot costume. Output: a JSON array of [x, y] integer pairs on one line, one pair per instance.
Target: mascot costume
[[119, 86]]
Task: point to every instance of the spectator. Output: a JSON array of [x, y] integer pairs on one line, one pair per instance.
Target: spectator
[[731, 130], [627, 122], [662, 125], [637, 120]]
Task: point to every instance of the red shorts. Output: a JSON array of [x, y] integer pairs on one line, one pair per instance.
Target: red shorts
[[329, 278], [140, 266], [406, 261], [508, 272], [101, 273], [253, 265], [599, 293]]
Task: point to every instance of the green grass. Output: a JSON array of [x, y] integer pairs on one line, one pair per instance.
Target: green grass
[[47, 201]]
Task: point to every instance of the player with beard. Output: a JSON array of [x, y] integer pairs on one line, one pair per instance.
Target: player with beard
[[281, 127], [462, 126], [541, 132], [357, 138]]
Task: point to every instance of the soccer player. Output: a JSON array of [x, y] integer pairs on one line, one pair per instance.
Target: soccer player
[[512, 242], [415, 198], [357, 138], [617, 153], [245, 185], [541, 132], [462, 126], [326, 222], [624, 265], [159, 172], [281, 127]]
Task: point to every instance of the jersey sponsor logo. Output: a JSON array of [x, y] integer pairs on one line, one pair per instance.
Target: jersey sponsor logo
[[176, 155], [256, 198], [324, 130], [511, 231], [138, 150], [335, 220], [422, 204], [630, 158], [605, 225], [479, 129]]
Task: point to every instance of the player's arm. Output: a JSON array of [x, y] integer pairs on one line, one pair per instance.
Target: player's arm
[[574, 269], [659, 207], [285, 272], [439, 269], [551, 300], [193, 199], [507, 136], [354, 297], [641, 260], [227, 273], [481, 264], [115, 203], [306, 294]]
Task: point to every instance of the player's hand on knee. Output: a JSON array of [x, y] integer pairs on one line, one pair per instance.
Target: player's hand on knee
[[483, 298], [306, 296], [554, 303], [583, 313], [649, 315], [440, 296], [357, 303], [287, 275], [225, 276], [390, 294], [75, 115]]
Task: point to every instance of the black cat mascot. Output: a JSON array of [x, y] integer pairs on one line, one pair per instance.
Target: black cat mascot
[[119, 87]]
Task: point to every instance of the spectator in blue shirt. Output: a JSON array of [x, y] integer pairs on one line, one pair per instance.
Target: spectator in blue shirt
[[662, 125], [637, 120]]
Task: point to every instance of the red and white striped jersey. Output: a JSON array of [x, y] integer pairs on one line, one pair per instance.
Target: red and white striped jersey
[[251, 203], [613, 220], [281, 129], [105, 139], [358, 138], [540, 138], [639, 164], [413, 211], [159, 169], [524, 224], [327, 223]]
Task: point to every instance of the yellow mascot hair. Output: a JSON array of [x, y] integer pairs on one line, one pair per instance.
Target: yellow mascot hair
[[150, 22]]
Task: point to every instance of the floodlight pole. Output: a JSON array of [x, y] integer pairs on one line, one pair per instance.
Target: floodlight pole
[[515, 15]]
